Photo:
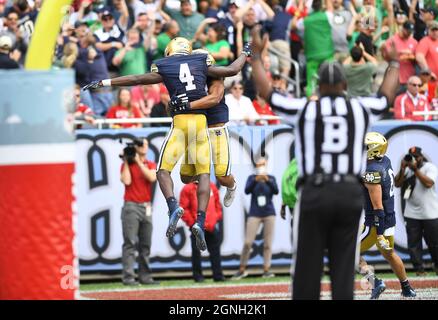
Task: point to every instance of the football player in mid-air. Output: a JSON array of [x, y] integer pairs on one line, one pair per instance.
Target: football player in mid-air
[[184, 75], [380, 215], [217, 117]]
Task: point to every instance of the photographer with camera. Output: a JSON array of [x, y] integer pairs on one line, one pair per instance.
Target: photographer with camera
[[417, 178], [137, 174]]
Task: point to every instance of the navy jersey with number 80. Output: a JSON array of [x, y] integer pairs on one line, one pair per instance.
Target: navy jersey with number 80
[[184, 74]]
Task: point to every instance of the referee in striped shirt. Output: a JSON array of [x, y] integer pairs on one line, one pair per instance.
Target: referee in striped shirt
[[330, 150]]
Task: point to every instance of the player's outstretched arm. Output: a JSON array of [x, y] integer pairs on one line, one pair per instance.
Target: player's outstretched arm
[[258, 71], [391, 79], [286, 106], [134, 80], [232, 69]]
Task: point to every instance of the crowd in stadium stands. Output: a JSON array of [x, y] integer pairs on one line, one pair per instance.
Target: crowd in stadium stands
[[100, 39]]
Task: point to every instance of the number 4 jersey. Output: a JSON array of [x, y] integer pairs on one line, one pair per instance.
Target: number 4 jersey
[[184, 74], [380, 172]]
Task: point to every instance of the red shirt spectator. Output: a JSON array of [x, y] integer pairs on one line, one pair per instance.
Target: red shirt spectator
[[264, 109], [410, 101], [427, 49], [140, 189], [83, 109], [299, 14], [429, 84], [121, 112], [405, 45], [188, 201], [145, 97], [124, 110]]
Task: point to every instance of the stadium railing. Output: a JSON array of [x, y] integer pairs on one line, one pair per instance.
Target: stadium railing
[[100, 123], [295, 82]]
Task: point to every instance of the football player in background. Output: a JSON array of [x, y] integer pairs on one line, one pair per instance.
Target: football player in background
[[380, 221]]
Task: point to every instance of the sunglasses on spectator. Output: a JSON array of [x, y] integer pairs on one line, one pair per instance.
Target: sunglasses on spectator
[[415, 84], [107, 18], [237, 88], [434, 29]]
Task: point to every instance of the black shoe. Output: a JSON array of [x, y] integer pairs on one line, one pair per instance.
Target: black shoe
[[149, 281], [199, 279], [130, 282]]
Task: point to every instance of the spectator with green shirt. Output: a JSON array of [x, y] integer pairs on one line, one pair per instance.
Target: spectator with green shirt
[[132, 57], [187, 19], [318, 44], [214, 41], [359, 70], [171, 30]]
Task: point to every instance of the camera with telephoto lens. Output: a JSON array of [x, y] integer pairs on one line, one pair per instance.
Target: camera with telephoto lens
[[408, 158], [129, 151]]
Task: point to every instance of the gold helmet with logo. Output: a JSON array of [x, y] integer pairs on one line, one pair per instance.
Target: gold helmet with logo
[[210, 59], [178, 45], [376, 145]]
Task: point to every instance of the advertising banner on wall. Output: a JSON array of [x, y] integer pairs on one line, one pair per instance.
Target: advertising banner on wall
[[100, 193]]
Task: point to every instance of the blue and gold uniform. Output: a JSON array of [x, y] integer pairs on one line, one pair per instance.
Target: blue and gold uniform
[[379, 171], [219, 113], [186, 74], [217, 117], [219, 138]]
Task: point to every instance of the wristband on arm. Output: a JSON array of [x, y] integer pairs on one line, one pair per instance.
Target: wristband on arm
[[379, 221]]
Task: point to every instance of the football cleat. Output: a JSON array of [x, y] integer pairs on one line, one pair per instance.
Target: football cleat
[[173, 221], [379, 287], [408, 292], [229, 196], [199, 236]]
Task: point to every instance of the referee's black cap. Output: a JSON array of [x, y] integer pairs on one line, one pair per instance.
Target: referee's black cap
[[331, 73]]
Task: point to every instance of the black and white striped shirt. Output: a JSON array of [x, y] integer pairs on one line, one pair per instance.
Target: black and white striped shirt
[[330, 132]]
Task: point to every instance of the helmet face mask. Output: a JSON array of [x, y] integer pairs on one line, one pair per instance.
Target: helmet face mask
[[178, 45], [376, 145]]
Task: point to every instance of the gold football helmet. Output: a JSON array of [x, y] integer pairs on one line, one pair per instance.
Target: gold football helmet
[[210, 59], [376, 145], [178, 45]]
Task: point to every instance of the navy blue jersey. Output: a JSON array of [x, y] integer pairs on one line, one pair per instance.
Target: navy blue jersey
[[219, 113], [184, 74], [380, 172]]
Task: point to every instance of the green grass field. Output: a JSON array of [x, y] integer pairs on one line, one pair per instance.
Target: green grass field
[[115, 285]]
